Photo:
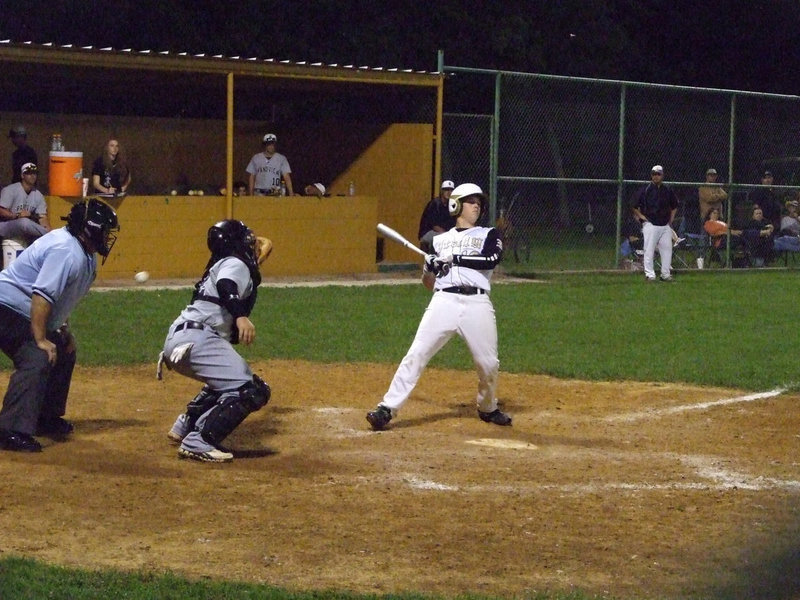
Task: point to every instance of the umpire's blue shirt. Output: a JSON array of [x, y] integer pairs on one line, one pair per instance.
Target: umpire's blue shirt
[[57, 268]]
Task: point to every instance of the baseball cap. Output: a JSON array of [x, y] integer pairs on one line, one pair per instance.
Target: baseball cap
[[767, 174], [28, 168], [270, 137], [711, 172], [657, 169], [448, 185], [321, 188], [18, 130]]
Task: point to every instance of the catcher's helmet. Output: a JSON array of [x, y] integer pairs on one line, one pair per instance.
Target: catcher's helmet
[[97, 222], [232, 237], [462, 191]]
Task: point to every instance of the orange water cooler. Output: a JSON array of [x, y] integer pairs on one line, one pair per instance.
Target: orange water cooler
[[66, 173]]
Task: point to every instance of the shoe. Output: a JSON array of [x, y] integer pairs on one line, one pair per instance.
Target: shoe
[[216, 455], [54, 426], [18, 442], [678, 241], [180, 429], [379, 418], [497, 417], [649, 279], [668, 279]]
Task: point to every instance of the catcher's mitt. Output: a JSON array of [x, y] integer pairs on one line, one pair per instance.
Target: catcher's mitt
[[263, 249]]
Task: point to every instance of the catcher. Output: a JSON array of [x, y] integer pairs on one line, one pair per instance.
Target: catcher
[[200, 342]]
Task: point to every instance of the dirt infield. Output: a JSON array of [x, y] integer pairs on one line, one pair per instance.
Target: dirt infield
[[636, 490]]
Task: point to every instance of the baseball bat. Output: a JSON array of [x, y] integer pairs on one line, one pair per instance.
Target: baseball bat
[[396, 237]]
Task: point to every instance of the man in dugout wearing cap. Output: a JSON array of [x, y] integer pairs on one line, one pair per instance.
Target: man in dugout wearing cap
[[23, 209], [23, 153], [436, 217]]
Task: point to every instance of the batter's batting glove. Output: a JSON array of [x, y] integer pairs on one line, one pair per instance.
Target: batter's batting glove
[[429, 258], [441, 267]]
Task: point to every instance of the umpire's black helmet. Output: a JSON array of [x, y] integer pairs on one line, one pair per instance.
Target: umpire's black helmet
[[98, 223], [232, 238]]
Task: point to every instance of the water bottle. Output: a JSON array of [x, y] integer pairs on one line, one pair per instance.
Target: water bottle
[[54, 142], [351, 189], [283, 187]]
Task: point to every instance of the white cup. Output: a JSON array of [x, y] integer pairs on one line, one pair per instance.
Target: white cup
[[85, 186], [700, 262]]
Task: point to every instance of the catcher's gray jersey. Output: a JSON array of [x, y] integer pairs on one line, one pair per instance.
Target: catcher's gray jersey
[[209, 313]]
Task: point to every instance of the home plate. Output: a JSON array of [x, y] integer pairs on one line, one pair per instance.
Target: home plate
[[510, 444]]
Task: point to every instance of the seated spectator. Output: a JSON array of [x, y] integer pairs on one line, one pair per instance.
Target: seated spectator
[[23, 210], [788, 238], [436, 217], [757, 235], [315, 189], [110, 171], [631, 248], [717, 229], [239, 188]]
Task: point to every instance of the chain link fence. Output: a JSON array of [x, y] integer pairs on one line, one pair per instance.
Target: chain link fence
[[563, 157]]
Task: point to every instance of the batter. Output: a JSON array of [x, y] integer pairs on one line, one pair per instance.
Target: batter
[[459, 273], [200, 341]]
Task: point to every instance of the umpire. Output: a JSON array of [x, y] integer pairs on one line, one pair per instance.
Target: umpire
[[655, 206], [38, 291]]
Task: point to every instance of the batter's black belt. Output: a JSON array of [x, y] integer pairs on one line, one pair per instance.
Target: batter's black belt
[[464, 290], [189, 325]]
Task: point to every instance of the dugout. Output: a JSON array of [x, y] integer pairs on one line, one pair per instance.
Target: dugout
[[192, 122]]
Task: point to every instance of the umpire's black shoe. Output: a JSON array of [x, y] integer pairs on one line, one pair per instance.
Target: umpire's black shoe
[[18, 442], [379, 418], [497, 417], [54, 426]]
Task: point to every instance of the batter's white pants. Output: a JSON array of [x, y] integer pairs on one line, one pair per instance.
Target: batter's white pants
[[657, 236], [472, 318]]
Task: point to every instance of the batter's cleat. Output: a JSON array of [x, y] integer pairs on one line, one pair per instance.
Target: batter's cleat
[[667, 279], [215, 455], [497, 417], [379, 418], [57, 426]]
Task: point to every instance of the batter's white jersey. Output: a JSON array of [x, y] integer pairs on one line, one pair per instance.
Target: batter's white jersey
[[460, 306], [268, 171]]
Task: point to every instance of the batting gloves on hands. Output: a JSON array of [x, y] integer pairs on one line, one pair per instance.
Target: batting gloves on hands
[[438, 265]]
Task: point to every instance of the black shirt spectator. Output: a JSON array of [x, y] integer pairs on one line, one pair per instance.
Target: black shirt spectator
[[23, 154]]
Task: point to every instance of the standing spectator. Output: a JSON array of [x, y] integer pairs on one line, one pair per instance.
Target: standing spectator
[[23, 210], [655, 206], [266, 170], [110, 171], [38, 291], [757, 235], [710, 195], [23, 154], [459, 274], [436, 217], [766, 198]]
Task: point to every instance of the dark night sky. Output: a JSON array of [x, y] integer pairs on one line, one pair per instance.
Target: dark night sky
[[743, 44]]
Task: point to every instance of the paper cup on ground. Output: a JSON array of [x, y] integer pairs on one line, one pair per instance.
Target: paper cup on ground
[[700, 262], [85, 187]]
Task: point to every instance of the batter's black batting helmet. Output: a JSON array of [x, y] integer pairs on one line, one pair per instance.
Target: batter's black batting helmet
[[232, 237], [97, 222]]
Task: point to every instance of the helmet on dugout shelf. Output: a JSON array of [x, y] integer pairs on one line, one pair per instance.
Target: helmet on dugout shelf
[[232, 238], [464, 191], [97, 222]]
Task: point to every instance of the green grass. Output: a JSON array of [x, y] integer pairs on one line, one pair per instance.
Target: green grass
[[728, 328], [724, 328], [25, 579]]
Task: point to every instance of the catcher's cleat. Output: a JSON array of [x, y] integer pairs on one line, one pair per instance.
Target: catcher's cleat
[[54, 426], [216, 455], [497, 417], [379, 418]]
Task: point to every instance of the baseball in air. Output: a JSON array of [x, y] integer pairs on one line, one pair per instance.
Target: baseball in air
[[141, 276], [174, 192]]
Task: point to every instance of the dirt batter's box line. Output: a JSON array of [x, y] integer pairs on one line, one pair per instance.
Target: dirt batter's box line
[[660, 412]]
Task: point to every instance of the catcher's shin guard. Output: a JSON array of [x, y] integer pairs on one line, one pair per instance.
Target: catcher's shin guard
[[232, 408], [200, 405]]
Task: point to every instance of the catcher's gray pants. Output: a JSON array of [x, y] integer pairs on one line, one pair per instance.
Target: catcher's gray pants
[[208, 358], [36, 388]]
